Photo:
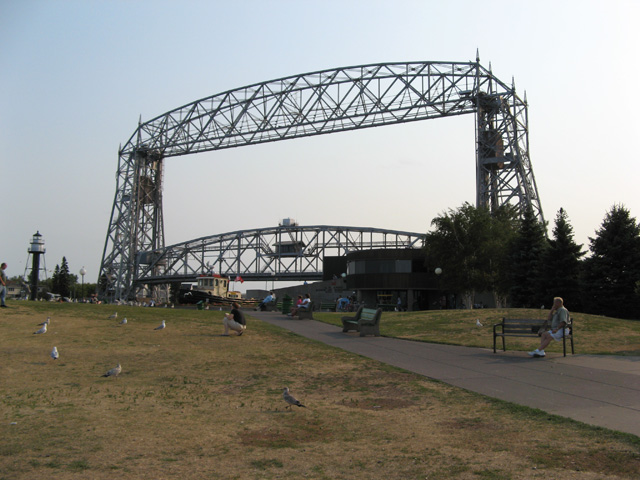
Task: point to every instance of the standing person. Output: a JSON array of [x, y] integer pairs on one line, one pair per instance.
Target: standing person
[[3, 285], [234, 320], [263, 304], [559, 320], [399, 305]]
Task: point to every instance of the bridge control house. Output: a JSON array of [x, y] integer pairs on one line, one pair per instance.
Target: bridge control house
[[380, 277]]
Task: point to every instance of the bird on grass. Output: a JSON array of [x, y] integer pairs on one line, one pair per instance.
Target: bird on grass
[[114, 315], [161, 326], [54, 353], [46, 322], [42, 330], [478, 324], [114, 372], [290, 399], [123, 321]]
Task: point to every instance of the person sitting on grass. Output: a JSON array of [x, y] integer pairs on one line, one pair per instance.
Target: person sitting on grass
[[559, 320], [234, 320], [306, 303]]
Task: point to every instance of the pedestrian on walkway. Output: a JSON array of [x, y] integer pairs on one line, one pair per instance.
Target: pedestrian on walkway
[[559, 320]]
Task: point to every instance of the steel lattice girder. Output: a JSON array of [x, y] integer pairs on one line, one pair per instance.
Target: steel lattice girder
[[259, 254], [313, 104]]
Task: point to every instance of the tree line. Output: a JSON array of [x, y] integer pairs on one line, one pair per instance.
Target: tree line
[[511, 256]]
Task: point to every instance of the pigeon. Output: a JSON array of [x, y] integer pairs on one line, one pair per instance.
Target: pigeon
[[161, 326], [115, 315], [46, 322], [123, 321], [290, 399], [54, 353], [42, 330], [478, 322], [114, 372]]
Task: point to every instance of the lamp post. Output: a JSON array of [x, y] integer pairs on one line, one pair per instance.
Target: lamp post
[[438, 272], [83, 272]]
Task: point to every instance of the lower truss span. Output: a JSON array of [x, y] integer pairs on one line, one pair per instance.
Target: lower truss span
[[275, 253]]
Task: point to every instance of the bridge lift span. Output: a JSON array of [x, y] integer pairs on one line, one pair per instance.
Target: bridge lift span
[[316, 103]]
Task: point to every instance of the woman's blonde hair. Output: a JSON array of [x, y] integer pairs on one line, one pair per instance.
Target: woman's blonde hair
[[558, 299]]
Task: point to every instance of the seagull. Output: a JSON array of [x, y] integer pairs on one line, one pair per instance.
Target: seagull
[[46, 322], [114, 372], [115, 315], [290, 399], [478, 322], [123, 321], [161, 326], [54, 353], [42, 330]]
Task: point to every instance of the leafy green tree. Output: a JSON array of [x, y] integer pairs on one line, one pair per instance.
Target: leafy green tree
[[468, 244], [612, 272], [526, 254], [561, 268]]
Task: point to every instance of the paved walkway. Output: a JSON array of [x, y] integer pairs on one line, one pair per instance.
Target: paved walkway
[[594, 389]]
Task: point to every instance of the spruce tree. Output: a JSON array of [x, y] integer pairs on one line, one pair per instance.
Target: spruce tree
[[612, 272], [525, 255], [561, 266]]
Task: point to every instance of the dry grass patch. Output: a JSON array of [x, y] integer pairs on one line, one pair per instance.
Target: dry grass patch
[[192, 404]]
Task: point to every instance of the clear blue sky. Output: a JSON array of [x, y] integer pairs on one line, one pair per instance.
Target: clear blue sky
[[75, 77]]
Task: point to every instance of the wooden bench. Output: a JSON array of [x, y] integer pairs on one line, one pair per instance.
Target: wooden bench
[[527, 327], [327, 307], [366, 321], [306, 313]]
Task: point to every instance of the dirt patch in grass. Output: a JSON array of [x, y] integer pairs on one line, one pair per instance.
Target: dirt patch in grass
[[192, 404]]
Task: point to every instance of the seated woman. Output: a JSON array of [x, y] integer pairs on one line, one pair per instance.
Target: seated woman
[[305, 304]]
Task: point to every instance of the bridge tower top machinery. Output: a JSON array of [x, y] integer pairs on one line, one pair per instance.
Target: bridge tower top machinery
[[315, 103]]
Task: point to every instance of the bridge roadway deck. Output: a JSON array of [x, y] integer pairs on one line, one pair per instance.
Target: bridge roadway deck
[[595, 389]]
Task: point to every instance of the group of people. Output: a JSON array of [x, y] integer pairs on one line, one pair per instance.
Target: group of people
[[301, 303]]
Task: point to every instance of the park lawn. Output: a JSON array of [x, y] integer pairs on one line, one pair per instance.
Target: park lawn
[[594, 334], [192, 404]]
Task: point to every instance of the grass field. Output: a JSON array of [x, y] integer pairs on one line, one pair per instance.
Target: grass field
[[594, 334], [192, 404]]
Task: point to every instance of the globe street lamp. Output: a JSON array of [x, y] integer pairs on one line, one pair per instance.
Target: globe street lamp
[[83, 272], [438, 272]]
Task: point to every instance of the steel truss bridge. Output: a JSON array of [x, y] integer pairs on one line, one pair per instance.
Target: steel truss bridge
[[276, 253], [316, 103]]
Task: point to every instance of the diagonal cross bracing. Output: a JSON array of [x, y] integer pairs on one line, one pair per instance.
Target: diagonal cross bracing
[[315, 103]]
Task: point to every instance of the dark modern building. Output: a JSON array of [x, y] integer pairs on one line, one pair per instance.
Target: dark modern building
[[380, 277]]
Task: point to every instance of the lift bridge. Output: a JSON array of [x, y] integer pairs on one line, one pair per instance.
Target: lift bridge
[[285, 252], [316, 103]]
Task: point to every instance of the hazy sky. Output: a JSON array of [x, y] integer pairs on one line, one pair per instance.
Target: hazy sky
[[75, 77]]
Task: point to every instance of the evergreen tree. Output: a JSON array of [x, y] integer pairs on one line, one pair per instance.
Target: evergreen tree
[[561, 267], [55, 280], [65, 279], [612, 272], [525, 257]]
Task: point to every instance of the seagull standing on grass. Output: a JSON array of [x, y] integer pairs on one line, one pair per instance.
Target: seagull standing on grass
[[42, 330], [115, 315], [54, 353], [290, 399], [161, 326], [114, 372], [123, 321], [478, 324]]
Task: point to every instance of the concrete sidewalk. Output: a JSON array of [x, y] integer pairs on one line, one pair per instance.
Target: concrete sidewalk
[[598, 390]]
